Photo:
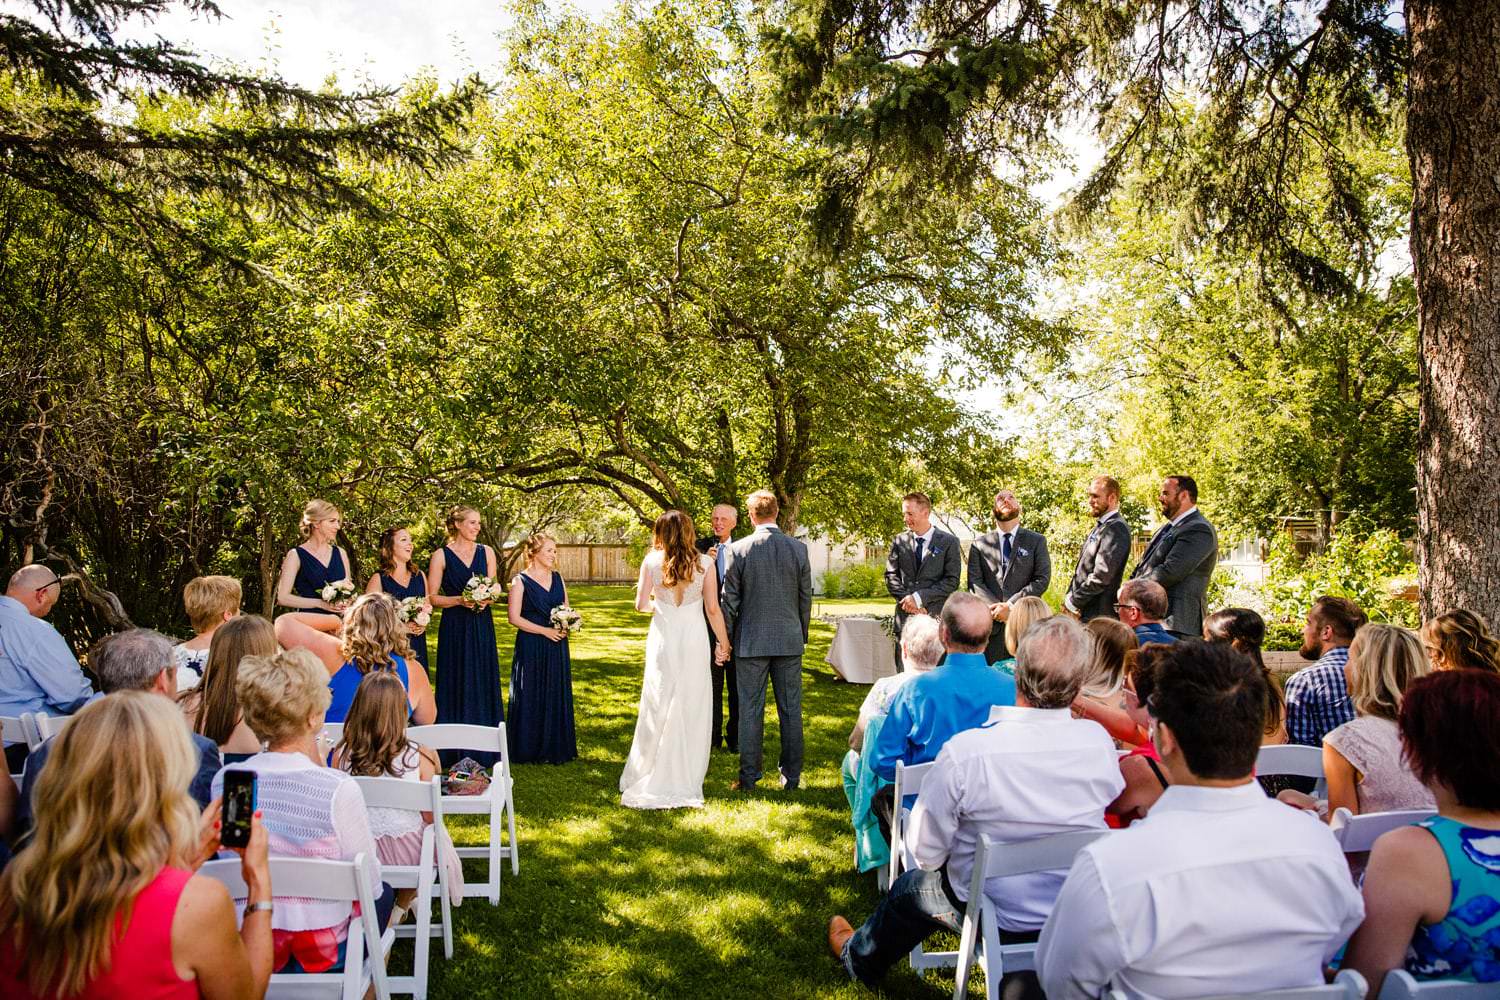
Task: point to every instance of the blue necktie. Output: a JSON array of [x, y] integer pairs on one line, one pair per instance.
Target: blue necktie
[[1005, 553], [920, 542]]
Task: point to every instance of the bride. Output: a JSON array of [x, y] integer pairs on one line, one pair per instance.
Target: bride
[[669, 756]]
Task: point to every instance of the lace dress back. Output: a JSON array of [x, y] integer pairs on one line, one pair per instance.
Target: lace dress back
[[692, 592]]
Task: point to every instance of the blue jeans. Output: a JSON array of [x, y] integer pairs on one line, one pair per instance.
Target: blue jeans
[[918, 904], [785, 675]]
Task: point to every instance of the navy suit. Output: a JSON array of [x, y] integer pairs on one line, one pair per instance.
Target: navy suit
[[725, 733]]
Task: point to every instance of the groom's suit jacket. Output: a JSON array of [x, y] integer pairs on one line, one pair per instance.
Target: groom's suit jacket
[[1101, 566], [1181, 558], [934, 580], [767, 597]]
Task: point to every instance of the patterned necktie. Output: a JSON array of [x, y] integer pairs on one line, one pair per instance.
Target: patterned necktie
[[1005, 552], [920, 542]]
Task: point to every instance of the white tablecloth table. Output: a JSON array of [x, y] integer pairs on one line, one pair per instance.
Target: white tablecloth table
[[861, 651]]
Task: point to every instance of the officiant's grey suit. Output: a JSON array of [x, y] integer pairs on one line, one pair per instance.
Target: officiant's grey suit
[[1182, 558], [767, 603], [933, 579], [993, 580]]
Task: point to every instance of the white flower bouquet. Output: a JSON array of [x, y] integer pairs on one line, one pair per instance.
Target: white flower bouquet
[[413, 611], [338, 594], [566, 619], [482, 590]]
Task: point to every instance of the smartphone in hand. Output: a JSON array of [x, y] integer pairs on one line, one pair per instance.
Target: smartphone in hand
[[239, 806]]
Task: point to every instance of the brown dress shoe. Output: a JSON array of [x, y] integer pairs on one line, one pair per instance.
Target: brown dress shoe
[[839, 932], [737, 786]]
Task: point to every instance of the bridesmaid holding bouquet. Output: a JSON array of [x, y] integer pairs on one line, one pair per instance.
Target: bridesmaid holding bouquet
[[541, 673], [315, 564], [468, 664], [402, 580]]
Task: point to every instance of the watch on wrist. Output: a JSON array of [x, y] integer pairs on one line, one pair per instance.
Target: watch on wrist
[[264, 905]]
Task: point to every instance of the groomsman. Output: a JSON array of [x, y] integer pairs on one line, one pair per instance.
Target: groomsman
[[924, 563], [726, 734], [1101, 563], [1005, 566], [1181, 557]]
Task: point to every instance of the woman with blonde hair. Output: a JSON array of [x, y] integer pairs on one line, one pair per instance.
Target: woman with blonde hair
[[1023, 614], [1113, 647], [209, 601], [317, 562], [401, 579], [212, 708], [103, 902], [1461, 639], [669, 753], [468, 663], [541, 671]]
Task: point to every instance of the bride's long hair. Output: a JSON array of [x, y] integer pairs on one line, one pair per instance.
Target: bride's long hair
[[676, 539]]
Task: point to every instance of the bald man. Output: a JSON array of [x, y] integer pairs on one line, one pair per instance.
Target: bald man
[[38, 672], [726, 734]]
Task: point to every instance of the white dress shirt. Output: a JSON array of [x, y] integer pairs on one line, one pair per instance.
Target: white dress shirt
[[926, 540], [1218, 890], [1027, 773]]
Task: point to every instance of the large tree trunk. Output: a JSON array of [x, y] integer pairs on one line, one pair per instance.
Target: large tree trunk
[[1453, 123]]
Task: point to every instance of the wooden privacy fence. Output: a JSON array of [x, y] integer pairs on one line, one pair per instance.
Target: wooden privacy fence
[[595, 564]]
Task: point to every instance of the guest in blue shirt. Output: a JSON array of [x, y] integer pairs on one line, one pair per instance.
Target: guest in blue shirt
[[1142, 605], [38, 672], [932, 707]]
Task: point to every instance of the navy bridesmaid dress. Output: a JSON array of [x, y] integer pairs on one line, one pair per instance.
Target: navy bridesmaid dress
[[417, 587], [541, 684], [313, 576], [468, 664]]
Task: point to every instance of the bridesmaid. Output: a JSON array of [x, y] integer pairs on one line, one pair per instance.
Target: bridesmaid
[[400, 578], [314, 564], [541, 674], [468, 664]]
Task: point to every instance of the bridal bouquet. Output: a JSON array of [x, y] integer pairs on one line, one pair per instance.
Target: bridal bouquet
[[566, 619], [338, 594], [482, 590], [413, 611]]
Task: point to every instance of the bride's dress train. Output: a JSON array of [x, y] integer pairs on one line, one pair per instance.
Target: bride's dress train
[[669, 755]]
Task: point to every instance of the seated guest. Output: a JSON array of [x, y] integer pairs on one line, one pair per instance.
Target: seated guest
[[1036, 771], [1362, 760], [921, 649], [309, 811], [1142, 605], [1112, 646], [38, 672], [1140, 768], [1317, 697], [1221, 890], [1461, 638], [371, 638], [1432, 889], [1245, 631], [134, 660], [212, 708], [210, 601], [374, 745], [1023, 614], [104, 902]]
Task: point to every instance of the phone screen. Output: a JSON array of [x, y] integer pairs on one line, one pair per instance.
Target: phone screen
[[239, 806]]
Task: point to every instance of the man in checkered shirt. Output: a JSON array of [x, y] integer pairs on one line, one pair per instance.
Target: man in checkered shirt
[[1317, 697]]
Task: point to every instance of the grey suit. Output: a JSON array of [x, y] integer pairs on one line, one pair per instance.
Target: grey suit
[[1027, 575], [1101, 566], [1182, 558], [767, 603], [934, 580]]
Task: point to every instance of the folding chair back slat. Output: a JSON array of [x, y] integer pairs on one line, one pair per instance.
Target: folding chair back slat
[[498, 801], [1358, 833], [1289, 759], [1402, 985]]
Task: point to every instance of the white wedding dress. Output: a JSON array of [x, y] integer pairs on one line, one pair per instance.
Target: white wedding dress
[[669, 755]]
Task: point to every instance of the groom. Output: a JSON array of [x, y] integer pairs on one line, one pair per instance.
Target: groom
[[767, 603]]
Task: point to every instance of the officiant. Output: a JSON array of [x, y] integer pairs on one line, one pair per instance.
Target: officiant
[[1006, 565], [726, 735]]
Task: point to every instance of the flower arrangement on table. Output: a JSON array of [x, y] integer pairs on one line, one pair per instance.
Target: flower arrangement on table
[[566, 619], [482, 590], [413, 611], [339, 593]]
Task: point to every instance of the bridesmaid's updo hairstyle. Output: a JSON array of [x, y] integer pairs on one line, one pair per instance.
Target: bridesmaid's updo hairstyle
[[314, 513], [675, 537], [534, 543], [455, 518], [388, 551]]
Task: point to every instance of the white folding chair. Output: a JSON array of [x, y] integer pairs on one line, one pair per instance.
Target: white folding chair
[[44, 726], [333, 732], [341, 881], [496, 801], [1292, 759], [399, 793], [979, 941], [1402, 985], [909, 778], [16, 729], [1358, 833], [1347, 985]]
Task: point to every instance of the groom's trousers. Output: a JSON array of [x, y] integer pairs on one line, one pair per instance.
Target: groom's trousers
[[785, 675]]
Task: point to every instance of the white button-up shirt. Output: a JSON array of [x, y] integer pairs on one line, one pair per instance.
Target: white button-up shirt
[[1027, 773], [1218, 890]]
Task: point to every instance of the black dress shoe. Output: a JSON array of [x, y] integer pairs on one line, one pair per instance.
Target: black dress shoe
[[790, 786]]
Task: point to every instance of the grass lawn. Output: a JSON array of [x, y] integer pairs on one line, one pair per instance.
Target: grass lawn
[[731, 899]]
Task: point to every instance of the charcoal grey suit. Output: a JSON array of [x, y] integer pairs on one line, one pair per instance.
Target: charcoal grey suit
[[1101, 566], [767, 603], [1027, 575], [933, 580], [1182, 558]]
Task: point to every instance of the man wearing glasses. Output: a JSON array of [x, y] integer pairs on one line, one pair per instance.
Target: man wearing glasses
[[38, 672], [1143, 604]]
